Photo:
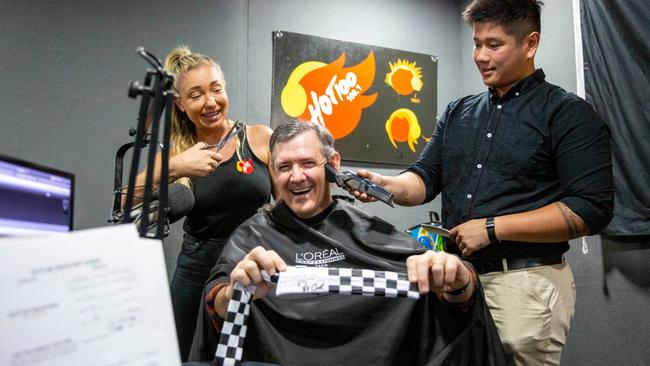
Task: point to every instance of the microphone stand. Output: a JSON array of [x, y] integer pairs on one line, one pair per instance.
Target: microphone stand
[[157, 98], [116, 214]]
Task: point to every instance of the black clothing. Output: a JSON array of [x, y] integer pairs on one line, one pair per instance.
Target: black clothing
[[226, 198], [193, 267], [334, 329], [223, 200], [536, 145]]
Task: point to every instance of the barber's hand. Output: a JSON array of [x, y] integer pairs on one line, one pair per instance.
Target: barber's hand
[[437, 272], [374, 178], [249, 271], [470, 236], [197, 161]]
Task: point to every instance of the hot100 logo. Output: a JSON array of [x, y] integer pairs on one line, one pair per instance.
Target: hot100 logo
[[335, 96]]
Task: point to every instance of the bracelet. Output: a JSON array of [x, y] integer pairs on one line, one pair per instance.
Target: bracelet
[[461, 290], [489, 226]]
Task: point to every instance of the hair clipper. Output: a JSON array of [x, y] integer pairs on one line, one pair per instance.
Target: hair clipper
[[353, 182]]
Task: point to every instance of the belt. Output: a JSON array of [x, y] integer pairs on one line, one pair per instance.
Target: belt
[[483, 266]]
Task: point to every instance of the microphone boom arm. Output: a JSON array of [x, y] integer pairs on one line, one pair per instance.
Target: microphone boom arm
[[158, 84]]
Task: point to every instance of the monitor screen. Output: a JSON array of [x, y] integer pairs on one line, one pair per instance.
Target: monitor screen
[[34, 199]]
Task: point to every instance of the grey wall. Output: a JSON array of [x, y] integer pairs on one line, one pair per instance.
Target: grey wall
[[65, 68]]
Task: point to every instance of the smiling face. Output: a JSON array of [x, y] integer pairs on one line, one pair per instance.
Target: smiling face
[[500, 58], [202, 96], [299, 172]]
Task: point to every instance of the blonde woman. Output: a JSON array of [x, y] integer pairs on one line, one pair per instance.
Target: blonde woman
[[229, 185]]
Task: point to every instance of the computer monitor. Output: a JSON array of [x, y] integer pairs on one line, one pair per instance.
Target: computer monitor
[[34, 199]]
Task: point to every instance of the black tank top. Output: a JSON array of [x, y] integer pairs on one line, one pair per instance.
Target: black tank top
[[228, 196]]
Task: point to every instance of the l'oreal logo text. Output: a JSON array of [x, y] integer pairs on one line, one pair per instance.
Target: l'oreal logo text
[[320, 258]]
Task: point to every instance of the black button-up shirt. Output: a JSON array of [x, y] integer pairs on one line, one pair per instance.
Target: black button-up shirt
[[536, 145]]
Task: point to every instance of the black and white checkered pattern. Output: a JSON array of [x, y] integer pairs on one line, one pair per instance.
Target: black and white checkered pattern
[[233, 332], [352, 281], [341, 281]]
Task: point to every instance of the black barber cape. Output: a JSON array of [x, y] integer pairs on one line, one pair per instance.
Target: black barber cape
[[335, 329]]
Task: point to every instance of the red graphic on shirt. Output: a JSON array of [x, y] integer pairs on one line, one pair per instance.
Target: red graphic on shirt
[[245, 166]]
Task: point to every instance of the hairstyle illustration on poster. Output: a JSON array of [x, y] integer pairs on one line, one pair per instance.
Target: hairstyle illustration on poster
[[378, 103]]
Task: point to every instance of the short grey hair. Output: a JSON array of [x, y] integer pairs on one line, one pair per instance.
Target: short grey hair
[[292, 128]]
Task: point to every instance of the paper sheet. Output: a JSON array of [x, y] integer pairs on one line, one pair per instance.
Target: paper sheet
[[94, 297], [298, 280]]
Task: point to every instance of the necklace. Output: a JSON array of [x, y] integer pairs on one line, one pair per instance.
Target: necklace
[[234, 131]]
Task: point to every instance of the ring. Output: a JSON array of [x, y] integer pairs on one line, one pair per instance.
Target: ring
[[215, 165]]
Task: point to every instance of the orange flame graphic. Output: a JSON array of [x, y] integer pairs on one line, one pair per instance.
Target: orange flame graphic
[[330, 94]]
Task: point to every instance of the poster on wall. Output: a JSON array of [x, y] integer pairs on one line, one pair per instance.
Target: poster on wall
[[378, 103]]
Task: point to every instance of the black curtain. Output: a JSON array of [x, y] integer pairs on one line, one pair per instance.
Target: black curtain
[[616, 48]]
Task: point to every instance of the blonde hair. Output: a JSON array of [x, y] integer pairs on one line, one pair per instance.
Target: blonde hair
[[183, 135]]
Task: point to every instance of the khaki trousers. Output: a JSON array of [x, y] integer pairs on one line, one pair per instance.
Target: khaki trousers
[[532, 309]]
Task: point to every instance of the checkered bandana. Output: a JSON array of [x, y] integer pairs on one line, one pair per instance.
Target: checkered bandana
[[305, 280]]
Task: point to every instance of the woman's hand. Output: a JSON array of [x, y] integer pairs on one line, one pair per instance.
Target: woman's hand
[[197, 161]]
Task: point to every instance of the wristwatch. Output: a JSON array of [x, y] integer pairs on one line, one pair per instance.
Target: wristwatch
[[489, 226]]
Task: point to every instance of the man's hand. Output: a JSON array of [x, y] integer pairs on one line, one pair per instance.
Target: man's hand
[[470, 236], [438, 272], [408, 188], [374, 178], [249, 272]]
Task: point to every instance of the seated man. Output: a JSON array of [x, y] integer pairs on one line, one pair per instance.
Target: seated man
[[448, 325]]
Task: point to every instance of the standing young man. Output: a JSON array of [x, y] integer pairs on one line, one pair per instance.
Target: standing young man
[[523, 168]]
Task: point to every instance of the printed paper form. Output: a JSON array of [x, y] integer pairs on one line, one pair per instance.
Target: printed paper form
[[94, 297]]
